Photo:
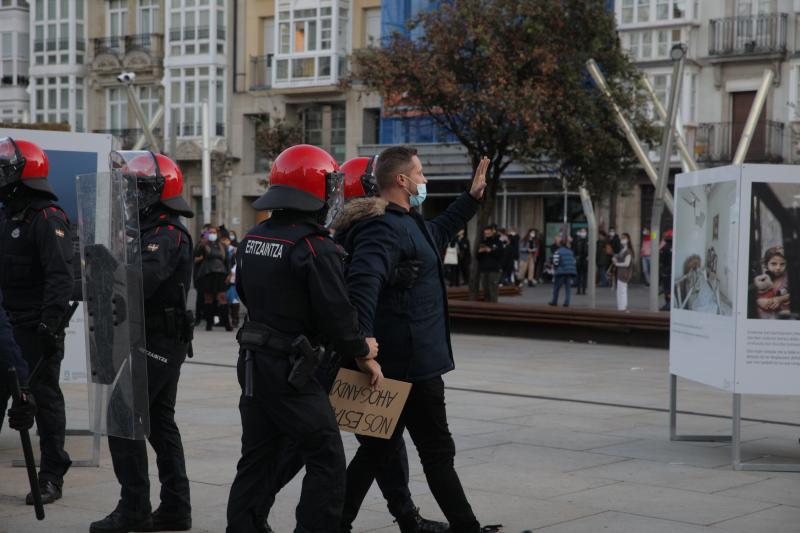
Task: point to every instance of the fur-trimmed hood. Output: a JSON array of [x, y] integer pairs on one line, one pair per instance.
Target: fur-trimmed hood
[[359, 209]]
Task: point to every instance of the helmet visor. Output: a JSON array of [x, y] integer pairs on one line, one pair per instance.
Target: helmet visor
[[11, 162], [140, 168], [334, 196]]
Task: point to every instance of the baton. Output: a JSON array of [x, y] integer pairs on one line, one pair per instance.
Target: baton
[[27, 449], [62, 325]]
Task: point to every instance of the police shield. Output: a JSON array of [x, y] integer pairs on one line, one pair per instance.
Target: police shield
[[108, 222]]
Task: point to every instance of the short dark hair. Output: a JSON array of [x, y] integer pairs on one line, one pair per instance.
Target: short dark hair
[[391, 162]]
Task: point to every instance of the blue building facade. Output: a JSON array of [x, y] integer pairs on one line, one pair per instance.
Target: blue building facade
[[395, 14]]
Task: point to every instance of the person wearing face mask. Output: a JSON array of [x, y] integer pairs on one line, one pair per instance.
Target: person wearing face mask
[[581, 250], [411, 326], [644, 253], [212, 261], [614, 239], [528, 269], [623, 264]]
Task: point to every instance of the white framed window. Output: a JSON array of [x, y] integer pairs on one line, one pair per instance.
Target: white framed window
[[190, 27], [652, 44], [14, 58], [149, 99], [311, 42], [117, 108], [188, 88], [53, 24], [372, 27], [644, 11], [692, 117], [661, 84], [148, 17], [117, 18], [59, 99]]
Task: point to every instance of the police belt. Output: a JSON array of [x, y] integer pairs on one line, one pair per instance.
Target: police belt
[[259, 337]]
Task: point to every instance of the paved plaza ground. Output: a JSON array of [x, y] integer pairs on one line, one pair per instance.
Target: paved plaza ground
[[532, 453]]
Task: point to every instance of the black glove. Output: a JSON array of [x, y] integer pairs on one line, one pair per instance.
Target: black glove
[[52, 340], [405, 274], [20, 416]]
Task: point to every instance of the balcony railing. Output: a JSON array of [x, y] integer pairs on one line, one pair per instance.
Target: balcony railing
[[195, 129], [129, 136], [143, 41], [760, 34], [108, 45], [261, 72], [716, 142]]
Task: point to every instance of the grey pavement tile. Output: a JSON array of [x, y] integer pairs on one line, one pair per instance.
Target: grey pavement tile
[[555, 437], [514, 512], [466, 426], [525, 482], [707, 455], [615, 522], [784, 491], [660, 502], [671, 475], [778, 519], [543, 458]]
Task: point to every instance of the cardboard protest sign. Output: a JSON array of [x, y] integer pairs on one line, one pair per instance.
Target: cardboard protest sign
[[364, 411]]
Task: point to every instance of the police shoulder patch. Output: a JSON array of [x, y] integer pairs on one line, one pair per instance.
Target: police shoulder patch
[[152, 247], [59, 233]]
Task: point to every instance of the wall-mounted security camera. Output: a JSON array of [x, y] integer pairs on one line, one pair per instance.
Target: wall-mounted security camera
[[126, 77]]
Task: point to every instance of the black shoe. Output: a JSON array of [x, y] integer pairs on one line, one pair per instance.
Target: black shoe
[[414, 523], [164, 521], [119, 522], [266, 527], [492, 529], [50, 493], [552, 304]]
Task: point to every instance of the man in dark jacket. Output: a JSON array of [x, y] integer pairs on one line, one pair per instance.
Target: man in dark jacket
[[490, 260], [581, 250], [36, 277], [565, 270], [411, 325]]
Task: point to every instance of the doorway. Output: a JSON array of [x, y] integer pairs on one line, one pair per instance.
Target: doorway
[[741, 104]]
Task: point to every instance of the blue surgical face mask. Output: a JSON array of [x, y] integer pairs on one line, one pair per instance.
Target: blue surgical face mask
[[417, 199]]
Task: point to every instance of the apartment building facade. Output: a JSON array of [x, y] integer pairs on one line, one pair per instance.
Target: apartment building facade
[[15, 65], [288, 59], [730, 43]]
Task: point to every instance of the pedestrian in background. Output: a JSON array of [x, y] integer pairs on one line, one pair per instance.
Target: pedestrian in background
[[581, 251], [528, 273], [451, 269], [202, 242], [564, 271], [603, 258], [645, 255], [513, 240], [623, 263], [614, 239], [212, 273], [464, 255], [507, 261], [490, 257], [665, 269], [538, 271]]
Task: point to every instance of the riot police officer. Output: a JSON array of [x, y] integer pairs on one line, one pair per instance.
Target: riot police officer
[[36, 278], [166, 248], [290, 278]]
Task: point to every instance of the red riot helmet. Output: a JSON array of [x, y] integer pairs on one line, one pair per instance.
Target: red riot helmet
[[304, 178], [359, 177], [25, 163], [158, 179]]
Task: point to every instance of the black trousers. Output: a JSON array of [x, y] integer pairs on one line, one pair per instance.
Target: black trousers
[[274, 417], [582, 280], [392, 478], [425, 417], [130, 456], [51, 419]]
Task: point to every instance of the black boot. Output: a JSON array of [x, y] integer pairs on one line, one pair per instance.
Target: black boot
[[209, 308], [122, 522], [49, 490], [163, 521], [414, 523], [225, 316], [235, 315]]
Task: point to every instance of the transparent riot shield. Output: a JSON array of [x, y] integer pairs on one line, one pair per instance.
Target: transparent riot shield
[[108, 222]]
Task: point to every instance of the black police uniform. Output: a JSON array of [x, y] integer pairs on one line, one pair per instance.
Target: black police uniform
[[10, 356], [290, 276], [166, 271], [36, 279]]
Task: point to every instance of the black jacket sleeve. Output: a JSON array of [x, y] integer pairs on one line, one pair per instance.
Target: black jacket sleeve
[[373, 258], [52, 233], [10, 355], [444, 227], [160, 255], [332, 312]]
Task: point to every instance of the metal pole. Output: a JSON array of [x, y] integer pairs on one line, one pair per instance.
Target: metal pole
[[673, 406], [627, 129], [679, 57], [591, 219], [206, 165], [752, 118], [686, 156], [137, 109], [152, 125], [736, 432]]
